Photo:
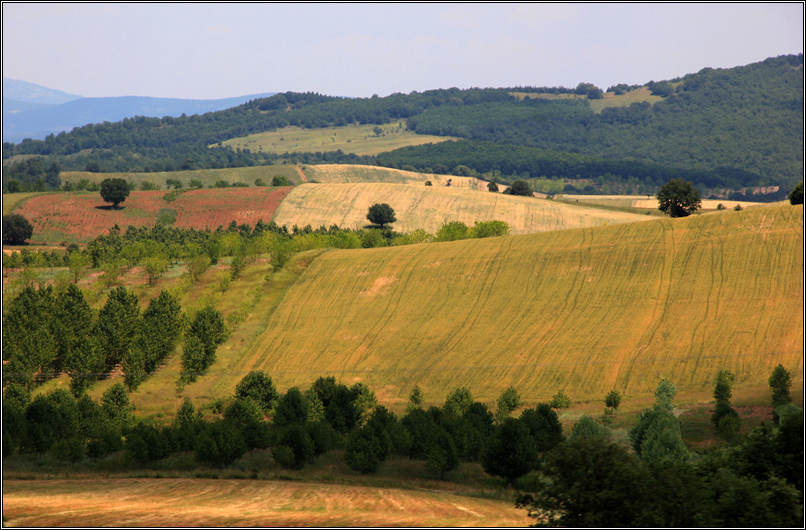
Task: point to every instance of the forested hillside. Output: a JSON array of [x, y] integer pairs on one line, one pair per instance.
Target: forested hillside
[[509, 162], [171, 144], [744, 119], [725, 130]]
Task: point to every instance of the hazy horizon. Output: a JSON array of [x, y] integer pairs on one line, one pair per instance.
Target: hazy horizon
[[215, 51]]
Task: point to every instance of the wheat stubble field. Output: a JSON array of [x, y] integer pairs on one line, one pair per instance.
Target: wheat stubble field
[[428, 207], [133, 502], [584, 310]]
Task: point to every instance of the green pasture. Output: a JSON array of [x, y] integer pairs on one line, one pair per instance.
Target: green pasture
[[358, 139], [639, 95]]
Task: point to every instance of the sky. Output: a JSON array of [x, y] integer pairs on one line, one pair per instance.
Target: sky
[[220, 50]]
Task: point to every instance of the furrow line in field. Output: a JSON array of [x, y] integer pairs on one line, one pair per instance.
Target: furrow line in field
[[584, 362]]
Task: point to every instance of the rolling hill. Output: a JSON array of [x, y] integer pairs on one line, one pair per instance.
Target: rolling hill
[[38, 122], [341, 196], [427, 207], [730, 131], [24, 92], [81, 217], [583, 310]]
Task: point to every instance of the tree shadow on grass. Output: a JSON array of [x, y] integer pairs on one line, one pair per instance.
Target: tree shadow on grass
[[110, 207]]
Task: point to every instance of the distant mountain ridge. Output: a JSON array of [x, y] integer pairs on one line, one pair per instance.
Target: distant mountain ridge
[[24, 92], [29, 110]]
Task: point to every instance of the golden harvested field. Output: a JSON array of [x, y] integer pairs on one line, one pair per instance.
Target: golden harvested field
[[353, 174], [650, 203], [358, 139], [242, 503], [584, 310], [428, 207], [208, 177]]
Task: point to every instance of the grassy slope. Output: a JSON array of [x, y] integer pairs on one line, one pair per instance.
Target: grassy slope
[[428, 207], [12, 201], [584, 310], [358, 139], [610, 99]]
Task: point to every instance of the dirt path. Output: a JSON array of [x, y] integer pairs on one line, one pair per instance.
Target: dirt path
[[302, 175]]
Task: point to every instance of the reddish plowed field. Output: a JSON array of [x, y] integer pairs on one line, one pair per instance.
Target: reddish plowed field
[[85, 216]]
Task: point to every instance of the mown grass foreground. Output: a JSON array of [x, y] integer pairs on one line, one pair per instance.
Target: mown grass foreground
[[583, 310]]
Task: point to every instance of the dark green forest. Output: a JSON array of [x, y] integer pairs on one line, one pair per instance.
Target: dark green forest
[[723, 129], [510, 162], [736, 122]]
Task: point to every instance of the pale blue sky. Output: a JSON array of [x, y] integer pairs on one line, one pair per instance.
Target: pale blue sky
[[208, 51]]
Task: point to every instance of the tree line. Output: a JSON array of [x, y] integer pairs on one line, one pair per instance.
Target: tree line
[[157, 247], [583, 478], [757, 480], [46, 333], [506, 163]]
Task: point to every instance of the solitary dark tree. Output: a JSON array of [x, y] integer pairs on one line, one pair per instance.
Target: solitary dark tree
[[520, 187], [114, 191], [492, 186], [678, 198], [796, 195], [780, 381], [613, 399], [726, 421], [442, 454], [280, 180], [381, 214], [511, 452], [16, 229], [259, 387]]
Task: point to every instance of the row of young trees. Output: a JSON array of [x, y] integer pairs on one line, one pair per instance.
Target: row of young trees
[[154, 248], [46, 333]]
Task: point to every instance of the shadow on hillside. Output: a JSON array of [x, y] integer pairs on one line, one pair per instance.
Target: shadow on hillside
[[110, 207]]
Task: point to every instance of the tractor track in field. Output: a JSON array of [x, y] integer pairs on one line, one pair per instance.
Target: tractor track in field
[[301, 174]]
